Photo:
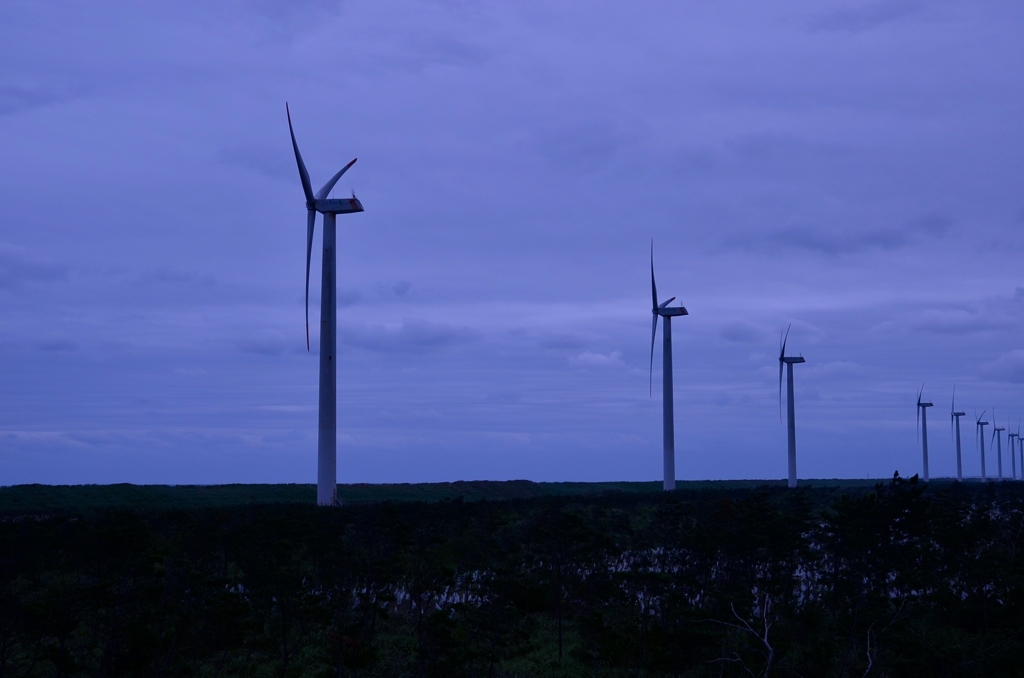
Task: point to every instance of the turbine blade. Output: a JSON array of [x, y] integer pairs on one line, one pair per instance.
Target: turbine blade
[[782, 354], [654, 331], [307, 187], [654, 287], [310, 223], [952, 405], [326, 190]]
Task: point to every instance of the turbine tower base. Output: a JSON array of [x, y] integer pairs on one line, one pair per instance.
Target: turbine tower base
[[327, 442]]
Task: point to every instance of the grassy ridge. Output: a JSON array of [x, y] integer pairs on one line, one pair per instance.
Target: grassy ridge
[[19, 498]]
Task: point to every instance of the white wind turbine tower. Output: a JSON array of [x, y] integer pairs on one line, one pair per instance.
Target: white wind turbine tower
[[997, 434], [922, 421], [790, 406], [954, 417], [327, 438], [979, 435], [668, 416]]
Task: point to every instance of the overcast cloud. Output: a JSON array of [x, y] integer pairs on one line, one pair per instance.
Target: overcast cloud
[[854, 169]]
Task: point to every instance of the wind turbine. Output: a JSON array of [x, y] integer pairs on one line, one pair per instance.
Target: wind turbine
[[327, 439], [790, 408], [1013, 453], [922, 421], [979, 435], [1013, 458], [997, 435], [668, 417], [954, 417], [1020, 441]]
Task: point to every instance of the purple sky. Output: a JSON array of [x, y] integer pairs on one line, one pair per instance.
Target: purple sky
[[853, 168]]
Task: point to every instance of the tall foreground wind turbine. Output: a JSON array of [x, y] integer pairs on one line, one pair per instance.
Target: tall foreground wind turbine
[[668, 416], [979, 435], [922, 421], [954, 417], [790, 407], [327, 438]]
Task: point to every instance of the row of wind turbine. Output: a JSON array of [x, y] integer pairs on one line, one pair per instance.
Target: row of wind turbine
[[1015, 446], [320, 202], [1015, 442], [663, 310]]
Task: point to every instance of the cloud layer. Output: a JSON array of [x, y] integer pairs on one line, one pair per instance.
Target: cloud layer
[[851, 171]]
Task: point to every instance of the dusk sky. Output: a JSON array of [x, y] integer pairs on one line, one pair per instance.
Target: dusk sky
[[853, 168]]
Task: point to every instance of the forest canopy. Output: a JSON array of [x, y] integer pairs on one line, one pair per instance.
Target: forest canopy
[[899, 579]]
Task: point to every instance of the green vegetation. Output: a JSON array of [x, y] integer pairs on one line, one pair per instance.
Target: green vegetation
[[897, 579]]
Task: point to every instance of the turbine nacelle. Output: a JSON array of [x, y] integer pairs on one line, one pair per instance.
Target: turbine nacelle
[[338, 206], [919, 403], [783, 358], [666, 312]]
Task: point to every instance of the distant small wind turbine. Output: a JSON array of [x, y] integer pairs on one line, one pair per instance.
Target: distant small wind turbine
[[979, 435], [1012, 446], [1013, 455], [1020, 442], [327, 439], [668, 415], [790, 407], [997, 435], [954, 417], [922, 424]]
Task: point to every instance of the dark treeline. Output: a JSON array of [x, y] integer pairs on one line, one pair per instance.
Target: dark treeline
[[899, 581]]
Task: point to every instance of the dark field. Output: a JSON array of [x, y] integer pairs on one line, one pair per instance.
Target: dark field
[[844, 578], [51, 497]]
